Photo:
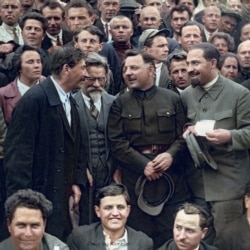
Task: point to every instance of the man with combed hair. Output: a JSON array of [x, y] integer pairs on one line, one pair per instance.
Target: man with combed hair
[[190, 227], [42, 143], [27, 212], [93, 104], [112, 206], [227, 139]]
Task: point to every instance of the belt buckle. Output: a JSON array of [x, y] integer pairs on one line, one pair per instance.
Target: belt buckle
[[154, 149]]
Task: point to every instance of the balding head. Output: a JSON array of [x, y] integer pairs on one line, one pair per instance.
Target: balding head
[[150, 18]]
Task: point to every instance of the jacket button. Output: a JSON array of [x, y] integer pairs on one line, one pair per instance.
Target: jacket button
[[204, 110], [129, 116], [62, 150], [59, 170]]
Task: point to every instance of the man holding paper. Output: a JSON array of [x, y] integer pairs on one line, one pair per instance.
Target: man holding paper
[[213, 97]]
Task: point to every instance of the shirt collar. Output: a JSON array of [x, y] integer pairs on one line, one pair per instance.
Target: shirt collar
[[62, 94], [145, 93], [53, 38], [210, 84]]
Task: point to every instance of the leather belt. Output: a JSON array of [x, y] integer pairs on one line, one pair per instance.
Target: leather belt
[[153, 149]]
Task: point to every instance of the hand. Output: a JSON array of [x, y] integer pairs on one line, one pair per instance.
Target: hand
[[117, 176], [53, 48], [162, 162], [219, 136], [189, 129], [6, 48], [76, 194], [90, 177], [150, 172]]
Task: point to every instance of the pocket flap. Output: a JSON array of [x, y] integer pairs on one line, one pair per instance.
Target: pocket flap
[[223, 115], [165, 112]]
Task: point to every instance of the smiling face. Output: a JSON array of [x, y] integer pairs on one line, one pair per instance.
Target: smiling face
[[26, 228], [137, 74], [113, 212], [201, 71]]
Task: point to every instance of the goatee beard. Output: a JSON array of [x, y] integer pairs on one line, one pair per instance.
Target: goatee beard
[[95, 95], [195, 83]]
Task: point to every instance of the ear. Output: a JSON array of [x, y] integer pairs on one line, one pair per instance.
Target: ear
[[8, 225], [145, 48], [97, 211], [214, 63], [76, 45], [152, 71], [129, 209], [100, 47], [202, 19], [246, 201], [204, 231], [92, 19]]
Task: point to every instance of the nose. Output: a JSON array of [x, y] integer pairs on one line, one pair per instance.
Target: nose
[[115, 211], [179, 22], [182, 235], [190, 68], [180, 74], [28, 231]]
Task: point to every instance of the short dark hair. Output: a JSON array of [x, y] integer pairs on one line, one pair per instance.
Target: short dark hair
[[222, 35], [112, 190], [29, 199], [192, 23], [194, 1], [149, 42], [209, 51], [52, 5], [65, 55], [177, 55], [93, 30], [16, 60], [180, 8], [34, 16], [189, 208], [79, 4], [226, 55], [147, 58]]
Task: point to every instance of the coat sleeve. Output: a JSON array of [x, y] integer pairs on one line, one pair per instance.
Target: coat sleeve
[[20, 145]]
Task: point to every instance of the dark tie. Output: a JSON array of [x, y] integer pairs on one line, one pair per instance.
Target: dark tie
[[93, 110], [15, 36], [58, 42]]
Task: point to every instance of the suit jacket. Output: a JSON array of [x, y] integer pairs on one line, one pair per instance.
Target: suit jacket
[[232, 114], [171, 245], [236, 235], [164, 77], [66, 38], [91, 238], [9, 96], [107, 101], [48, 242], [41, 150]]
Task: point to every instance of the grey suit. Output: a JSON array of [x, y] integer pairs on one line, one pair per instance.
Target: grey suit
[[91, 238], [164, 80], [228, 104], [101, 174]]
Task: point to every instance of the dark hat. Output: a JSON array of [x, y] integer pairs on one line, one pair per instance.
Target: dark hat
[[199, 152], [152, 195], [229, 12], [150, 33]]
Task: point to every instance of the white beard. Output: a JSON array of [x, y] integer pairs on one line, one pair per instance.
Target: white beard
[[95, 95]]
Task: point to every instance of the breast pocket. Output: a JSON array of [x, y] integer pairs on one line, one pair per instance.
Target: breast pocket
[[132, 122], [166, 120], [224, 119]]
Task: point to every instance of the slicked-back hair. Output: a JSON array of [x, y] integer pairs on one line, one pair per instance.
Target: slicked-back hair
[[192, 23], [209, 51], [65, 55], [146, 57], [112, 190], [16, 60], [94, 59], [226, 55], [52, 5], [79, 4], [93, 30], [194, 1], [34, 16], [228, 39], [189, 208], [180, 8], [27, 198]]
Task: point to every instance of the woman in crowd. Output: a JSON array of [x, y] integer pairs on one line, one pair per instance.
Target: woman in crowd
[[223, 42]]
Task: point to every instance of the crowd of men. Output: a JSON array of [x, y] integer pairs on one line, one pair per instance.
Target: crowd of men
[[124, 124]]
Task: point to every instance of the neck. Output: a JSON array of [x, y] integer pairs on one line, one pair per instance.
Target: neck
[[114, 236], [63, 84], [28, 82]]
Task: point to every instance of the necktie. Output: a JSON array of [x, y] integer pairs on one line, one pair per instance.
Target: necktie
[[93, 110], [107, 30], [67, 109], [15, 36], [58, 42]]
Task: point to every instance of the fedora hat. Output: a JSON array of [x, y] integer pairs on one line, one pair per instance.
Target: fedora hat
[[152, 195]]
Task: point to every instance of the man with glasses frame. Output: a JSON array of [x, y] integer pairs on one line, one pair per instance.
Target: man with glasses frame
[[93, 107]]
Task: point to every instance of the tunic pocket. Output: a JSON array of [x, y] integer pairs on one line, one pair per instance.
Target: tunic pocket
[[132, 122], [166, 120]]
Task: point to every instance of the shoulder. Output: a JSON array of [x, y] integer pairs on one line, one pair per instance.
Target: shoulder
[[6, 245], [205, 246], [50, 241], [139, 236]]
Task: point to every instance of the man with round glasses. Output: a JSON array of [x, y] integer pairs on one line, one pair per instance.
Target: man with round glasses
[[93, 107]]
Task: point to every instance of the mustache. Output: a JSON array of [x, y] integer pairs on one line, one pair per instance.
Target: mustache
[[93, 89]]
